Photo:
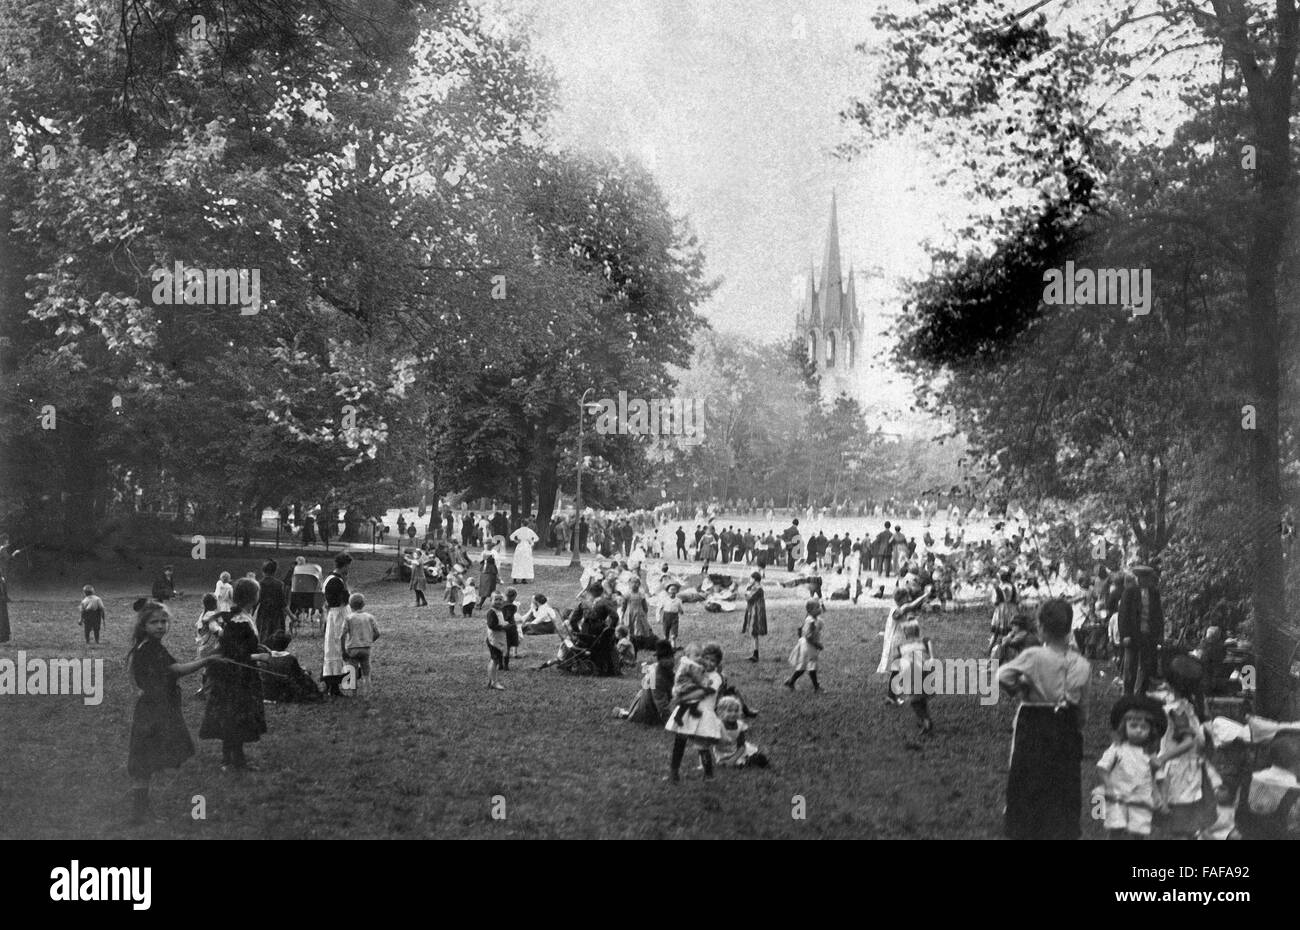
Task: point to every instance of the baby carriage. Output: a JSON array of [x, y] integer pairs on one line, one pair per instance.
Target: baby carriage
[[306, 596]]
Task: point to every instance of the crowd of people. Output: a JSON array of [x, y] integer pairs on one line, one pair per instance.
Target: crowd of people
[[1049, 623]]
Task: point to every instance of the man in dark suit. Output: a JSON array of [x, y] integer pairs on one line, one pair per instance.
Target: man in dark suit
[[880, 547], [271, 607], [1141, 627], [790, 537]]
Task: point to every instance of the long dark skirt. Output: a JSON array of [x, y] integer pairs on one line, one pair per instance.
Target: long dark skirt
[[1045, 786], [648, 709]]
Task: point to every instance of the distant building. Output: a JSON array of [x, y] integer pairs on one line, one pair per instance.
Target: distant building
[[828, 321]]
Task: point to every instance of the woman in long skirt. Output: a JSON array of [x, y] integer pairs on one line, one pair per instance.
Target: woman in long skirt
[[521, 567], [1045, 786], [755, 624]]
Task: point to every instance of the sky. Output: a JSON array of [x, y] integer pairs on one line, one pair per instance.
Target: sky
[[735, 108]]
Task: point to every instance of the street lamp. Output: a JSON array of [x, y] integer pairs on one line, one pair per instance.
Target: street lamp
[[583, 409]]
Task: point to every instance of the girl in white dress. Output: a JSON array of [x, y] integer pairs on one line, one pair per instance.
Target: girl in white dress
[[803, 658], [701, 728]]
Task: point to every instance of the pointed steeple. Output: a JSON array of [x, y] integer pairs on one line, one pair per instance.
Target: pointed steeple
[[831, 278], [851, 302], [814, 315]]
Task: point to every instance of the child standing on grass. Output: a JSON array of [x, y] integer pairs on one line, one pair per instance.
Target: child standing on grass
[[1128, 774], [496, 641], [469, 599], [670, 612], [359, 634], [159, 739], [207, 635], [92, 613], [912, 658], [455, 587], [508, 611], [701, 728], [1191, 806], [234, 713], [804, 655]]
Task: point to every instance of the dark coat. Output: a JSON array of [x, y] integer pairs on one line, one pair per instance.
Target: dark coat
[[271, 607], [1130, 614], [234, 713], [159, 738]]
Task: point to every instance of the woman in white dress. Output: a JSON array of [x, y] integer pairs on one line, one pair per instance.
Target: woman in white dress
[[521, 566]]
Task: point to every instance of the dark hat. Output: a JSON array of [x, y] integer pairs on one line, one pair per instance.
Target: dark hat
[[1144, 704]]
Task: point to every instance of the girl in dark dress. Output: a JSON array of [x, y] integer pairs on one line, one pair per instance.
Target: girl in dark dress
[[755, 624], [159, 739], [487, 579], [234, 713]]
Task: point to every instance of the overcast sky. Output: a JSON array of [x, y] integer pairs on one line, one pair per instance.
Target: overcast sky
[[735, 107]]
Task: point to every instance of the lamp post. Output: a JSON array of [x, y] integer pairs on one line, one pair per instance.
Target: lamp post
[[575, 562]]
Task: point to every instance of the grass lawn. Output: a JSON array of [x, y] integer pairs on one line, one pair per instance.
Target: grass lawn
[[428, 753]]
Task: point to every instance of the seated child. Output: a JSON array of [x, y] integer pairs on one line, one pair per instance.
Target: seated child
[[1017, 641], [626, 651], [733, 747], [689, 685], [92, 613], [1131, 791], [1270, 806]]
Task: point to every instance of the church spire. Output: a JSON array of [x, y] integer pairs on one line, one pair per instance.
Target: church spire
[[831, 277]]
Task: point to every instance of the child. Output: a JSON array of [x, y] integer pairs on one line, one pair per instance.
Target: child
[[734, 748], [913, 656], [1017, 641], [1127, 773], [1004, 610], [207, 633], [508, 611], [234, 713], [224, 592], [804, 655], [1044, 784], [469, 600], [702, 729], [359, 634], [690, 685], [670, 612], [92, 613], [159, 739], [1182, 748], [1269, 808], [454, 588], [496, 641], [623, 646], [419, 580]]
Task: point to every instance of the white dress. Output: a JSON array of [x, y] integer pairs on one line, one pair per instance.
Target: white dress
[[225, 595], [335, 619], [706, 727], [521, 569]]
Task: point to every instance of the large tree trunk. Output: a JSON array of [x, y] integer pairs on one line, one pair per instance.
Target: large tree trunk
[[1270, 106]]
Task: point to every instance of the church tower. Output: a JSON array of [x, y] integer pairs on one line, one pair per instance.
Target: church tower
[[828, 322]]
